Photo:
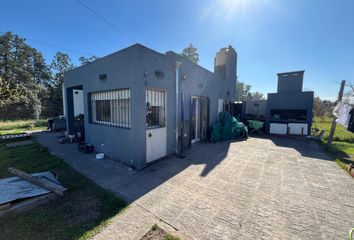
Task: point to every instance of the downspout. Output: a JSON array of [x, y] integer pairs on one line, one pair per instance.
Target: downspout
[[64, 99], [178, 64]]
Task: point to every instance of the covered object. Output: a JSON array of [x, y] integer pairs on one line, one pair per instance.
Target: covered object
[[227, 128]]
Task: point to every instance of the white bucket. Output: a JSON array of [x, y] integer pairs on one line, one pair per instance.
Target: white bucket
[[99, 156]]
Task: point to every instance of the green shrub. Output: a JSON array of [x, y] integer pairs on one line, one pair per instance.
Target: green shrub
[[171, 237]]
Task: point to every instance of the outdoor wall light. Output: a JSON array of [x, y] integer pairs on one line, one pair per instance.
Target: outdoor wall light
[[102, 76], [184, 77], [159, 74], [145, 73]]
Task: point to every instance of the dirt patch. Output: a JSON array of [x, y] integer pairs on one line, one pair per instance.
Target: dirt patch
[[157, 233]]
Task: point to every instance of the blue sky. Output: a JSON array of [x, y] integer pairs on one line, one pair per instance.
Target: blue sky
[[270, 36]]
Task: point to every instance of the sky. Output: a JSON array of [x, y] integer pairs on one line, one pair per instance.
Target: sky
[[270, 36]]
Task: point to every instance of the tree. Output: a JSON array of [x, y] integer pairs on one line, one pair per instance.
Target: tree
[[53, 103], [243, 92], [349, 95], [191, 53], [86, 60], [319, 109], [257, 96], [322, 108], [22, 72]]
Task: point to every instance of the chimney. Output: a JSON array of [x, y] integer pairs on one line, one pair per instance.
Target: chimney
[[290, 81], [225, 63]]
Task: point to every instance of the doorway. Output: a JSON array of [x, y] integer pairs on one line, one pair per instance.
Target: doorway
[[156, 133], [199, 119]]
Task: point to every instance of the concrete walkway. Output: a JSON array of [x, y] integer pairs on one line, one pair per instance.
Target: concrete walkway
[[254, 189]]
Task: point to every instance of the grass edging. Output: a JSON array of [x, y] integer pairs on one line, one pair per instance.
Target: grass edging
[[81, 213]]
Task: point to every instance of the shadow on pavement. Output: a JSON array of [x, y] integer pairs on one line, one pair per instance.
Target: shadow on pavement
[[131, 184]]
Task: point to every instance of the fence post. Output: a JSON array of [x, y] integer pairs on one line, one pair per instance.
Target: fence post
[[334, 123]]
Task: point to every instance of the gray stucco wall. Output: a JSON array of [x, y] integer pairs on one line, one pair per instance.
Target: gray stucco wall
[[256, 107], [290, 100], [198, 81], [119, 143], [134, 68]]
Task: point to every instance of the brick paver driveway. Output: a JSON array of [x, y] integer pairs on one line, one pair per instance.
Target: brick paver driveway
[[254, 189]]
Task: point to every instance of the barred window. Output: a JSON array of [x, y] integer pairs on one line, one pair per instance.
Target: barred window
[[111, 108], [155, 108]]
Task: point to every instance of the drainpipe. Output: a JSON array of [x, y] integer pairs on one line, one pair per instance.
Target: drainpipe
[[178, 64], [64, 99]]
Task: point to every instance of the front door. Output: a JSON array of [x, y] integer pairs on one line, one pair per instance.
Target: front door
[[156, 134], [199, 123]]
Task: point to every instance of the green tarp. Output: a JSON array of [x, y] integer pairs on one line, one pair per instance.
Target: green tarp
[[255, 124], [227, 128]]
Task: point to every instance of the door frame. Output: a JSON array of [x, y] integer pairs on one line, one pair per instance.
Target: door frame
[[156, 129], [191, 138]]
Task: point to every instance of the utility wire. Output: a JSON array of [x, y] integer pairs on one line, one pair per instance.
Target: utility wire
[[106, 21], [55, 46]]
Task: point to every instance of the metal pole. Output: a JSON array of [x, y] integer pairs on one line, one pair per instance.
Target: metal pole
[[182, 120], [178, 64], [334, 123]]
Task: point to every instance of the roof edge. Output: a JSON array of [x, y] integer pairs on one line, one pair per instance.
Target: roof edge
[[290, 73]]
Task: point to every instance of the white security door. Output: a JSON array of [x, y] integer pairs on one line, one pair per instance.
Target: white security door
[[156, 133], [156, 141]]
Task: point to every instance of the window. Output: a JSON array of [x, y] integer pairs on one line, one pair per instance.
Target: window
[[111, 108], [103, 110], [155, 108]]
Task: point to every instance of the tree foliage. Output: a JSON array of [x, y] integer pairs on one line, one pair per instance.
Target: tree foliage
[[191, 53], [86, 60], [243, 92], [53, 100], [27, 83], [349, 94], [22, 73], [322, 108]]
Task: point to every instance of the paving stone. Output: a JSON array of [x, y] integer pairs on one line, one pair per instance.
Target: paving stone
[[254, 189]]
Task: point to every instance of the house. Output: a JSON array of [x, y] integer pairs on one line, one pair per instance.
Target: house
[[140, 105]]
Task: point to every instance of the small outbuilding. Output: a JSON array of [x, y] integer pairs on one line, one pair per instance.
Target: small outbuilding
[[289, 110]]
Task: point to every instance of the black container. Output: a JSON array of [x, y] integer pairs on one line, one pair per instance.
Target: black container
[[85, 147]]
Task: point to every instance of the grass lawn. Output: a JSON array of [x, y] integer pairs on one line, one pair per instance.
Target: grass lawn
[[19, 126], [83, 210], [342, 148], [341, 134]]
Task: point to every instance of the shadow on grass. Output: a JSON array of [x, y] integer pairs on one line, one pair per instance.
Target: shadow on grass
[[340, 150], [84, 208]]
